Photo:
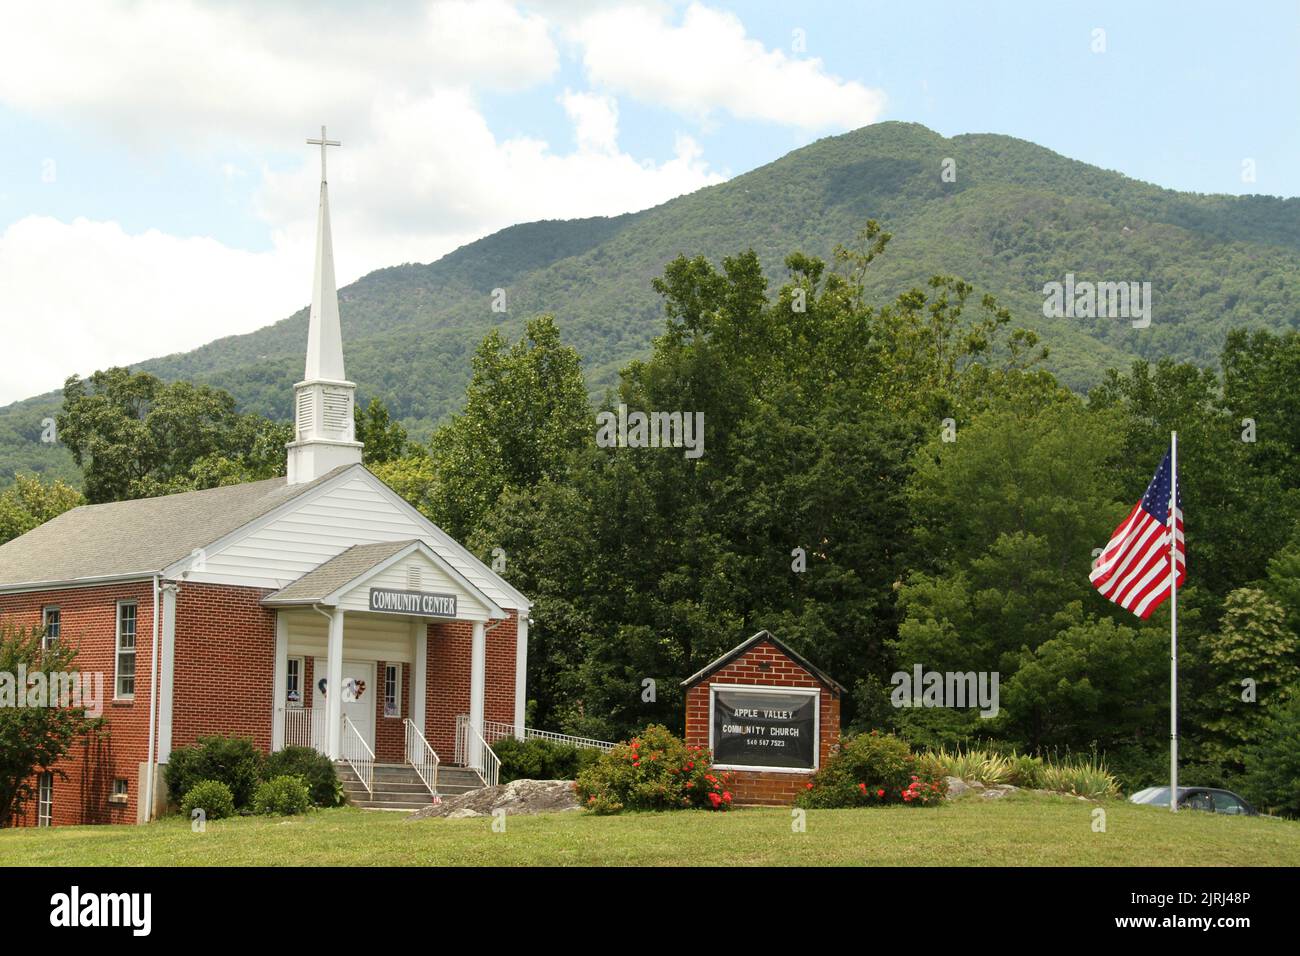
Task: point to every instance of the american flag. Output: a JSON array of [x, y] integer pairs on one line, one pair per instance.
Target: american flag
[[1133, 568]]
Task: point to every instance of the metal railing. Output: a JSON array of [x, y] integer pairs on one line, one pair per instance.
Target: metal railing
[[474, 752], [421, 756], [357, 753], [303, 727], [495, 730]]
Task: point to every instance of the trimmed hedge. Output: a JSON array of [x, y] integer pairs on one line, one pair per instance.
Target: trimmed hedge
[[232, 760], [212, 797], [541, 759], [283, 797], [315, 769]]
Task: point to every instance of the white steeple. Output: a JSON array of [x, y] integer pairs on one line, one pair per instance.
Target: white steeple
[[324, 433]]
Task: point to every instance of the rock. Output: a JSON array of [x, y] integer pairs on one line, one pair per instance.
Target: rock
[[517, 797], [999, 791], [975, 784], [956, 786]]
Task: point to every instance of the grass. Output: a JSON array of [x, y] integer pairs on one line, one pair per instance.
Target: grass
[[1021, 829]]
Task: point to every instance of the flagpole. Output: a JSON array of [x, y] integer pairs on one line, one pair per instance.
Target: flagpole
[[1173, 622]]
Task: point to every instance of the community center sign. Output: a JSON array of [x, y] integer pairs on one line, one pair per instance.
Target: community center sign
[[768, 727], [421, 603]]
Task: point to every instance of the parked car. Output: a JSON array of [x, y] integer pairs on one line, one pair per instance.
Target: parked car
[[1212, 799]]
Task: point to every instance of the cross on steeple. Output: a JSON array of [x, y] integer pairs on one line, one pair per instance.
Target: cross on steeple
[[322, 143]]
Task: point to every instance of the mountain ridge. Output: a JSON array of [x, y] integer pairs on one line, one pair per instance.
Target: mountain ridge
[[1018, 215]]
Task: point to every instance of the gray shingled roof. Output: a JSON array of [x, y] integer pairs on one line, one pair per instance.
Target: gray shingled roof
[[315, 586], [143, 536]]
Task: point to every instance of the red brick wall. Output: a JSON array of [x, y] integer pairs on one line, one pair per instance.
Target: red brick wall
[[447, 681], [88, 619], [225, 664], [390, 732], [754, 786]]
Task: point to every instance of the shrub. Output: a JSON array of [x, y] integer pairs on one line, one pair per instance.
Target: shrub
[[314, 768], [282, 796], [875, 770], [541, 759], [213, 797], [232, 760], [1086, 777], [653, 771]]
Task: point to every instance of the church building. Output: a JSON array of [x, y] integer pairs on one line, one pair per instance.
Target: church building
[[240, 610]]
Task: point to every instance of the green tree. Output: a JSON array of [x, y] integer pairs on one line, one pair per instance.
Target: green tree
[[32, 502], [385, 440], [1272, 779], [33, 738], [525, 409], [1252, 643], [137, 436]]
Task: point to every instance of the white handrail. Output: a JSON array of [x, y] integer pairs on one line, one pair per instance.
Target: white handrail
[[473, 751], [421, 756], [358, 754], [495, 730], [303, 727]]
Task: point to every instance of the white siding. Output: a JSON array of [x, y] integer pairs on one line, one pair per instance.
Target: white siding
[[274, 552], [366, 637], [434, 579]]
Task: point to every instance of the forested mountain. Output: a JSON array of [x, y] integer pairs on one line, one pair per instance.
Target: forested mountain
[[1015, 217]]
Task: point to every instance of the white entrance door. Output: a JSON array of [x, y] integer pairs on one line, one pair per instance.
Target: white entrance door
[[359, 690]]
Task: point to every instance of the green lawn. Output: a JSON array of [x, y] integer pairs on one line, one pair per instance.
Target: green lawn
[[1024, 829]]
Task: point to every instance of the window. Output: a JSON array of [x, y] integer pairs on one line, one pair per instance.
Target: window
[[124, 688], [44, 799], [121, 790], [392, 690], [50, 618], [293, 682], [1227, 803]]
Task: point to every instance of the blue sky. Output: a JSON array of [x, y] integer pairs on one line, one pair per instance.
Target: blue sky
[[162, 155]]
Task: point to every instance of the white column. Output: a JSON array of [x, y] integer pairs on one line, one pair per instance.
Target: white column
[[521, 672], [281, 678], [419, 670], [334, 689], [167, 677], [477, 689]]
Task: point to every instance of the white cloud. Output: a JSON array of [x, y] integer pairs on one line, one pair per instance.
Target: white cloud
[[432, 177], [595, 120], [422, 171], [85, 295], [149, 69], [709, 63]]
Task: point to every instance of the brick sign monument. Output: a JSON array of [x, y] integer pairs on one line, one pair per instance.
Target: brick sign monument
[[769, 716]]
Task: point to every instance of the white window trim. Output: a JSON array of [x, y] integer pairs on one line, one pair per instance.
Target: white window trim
[[814, 692], [397, 690], [302, 681], [117, 648], [45, 799]]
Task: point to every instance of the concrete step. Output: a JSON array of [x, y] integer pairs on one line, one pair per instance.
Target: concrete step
[[399, 787]]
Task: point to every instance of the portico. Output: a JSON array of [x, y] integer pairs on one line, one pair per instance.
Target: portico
[[365, 622]]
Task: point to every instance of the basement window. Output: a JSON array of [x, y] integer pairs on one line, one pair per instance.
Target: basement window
[[121, 791]]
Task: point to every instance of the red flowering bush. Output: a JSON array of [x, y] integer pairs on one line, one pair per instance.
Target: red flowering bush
[[873, 770], [655, 770]]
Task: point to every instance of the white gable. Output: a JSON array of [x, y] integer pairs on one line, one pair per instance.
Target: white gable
[[353, 508]]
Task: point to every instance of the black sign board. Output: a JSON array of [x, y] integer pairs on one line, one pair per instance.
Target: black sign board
[[768, 728], [422, 603]]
